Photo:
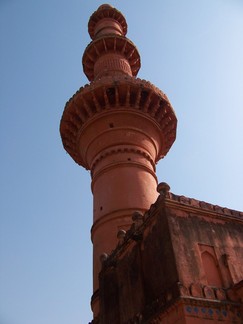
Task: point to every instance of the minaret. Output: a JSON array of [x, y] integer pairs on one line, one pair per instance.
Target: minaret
[[118, 127]]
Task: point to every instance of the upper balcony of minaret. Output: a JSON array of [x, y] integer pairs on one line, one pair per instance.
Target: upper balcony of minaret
[[110, 52]]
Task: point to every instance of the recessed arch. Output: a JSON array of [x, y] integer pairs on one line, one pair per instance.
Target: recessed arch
[[211, 269]]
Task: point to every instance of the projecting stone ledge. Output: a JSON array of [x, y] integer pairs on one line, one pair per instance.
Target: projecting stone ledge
[[110, 95]]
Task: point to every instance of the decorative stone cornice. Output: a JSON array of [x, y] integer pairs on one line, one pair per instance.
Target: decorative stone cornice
[[122, 150], [119, 92]]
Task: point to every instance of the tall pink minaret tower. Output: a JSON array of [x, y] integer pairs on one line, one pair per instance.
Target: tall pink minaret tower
[[117, 127]]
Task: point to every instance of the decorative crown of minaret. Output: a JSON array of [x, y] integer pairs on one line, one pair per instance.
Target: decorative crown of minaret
[[111, 62], [110, 52]]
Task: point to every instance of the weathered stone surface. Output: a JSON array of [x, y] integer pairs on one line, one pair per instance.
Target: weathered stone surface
[[175, 249]]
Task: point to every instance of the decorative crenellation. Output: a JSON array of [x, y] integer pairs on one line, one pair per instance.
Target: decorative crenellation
[[202, 205], [121, 92], [122, 150], [167, 196], [202, 291], [215, 308], [214, 312]]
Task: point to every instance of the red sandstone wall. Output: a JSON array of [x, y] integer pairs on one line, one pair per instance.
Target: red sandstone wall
[[208, 250], [181, 270]]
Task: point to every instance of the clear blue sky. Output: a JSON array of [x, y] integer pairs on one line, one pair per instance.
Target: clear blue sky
[[192, 50]]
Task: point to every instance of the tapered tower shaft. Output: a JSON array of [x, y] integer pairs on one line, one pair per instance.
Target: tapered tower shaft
[[118, 127]]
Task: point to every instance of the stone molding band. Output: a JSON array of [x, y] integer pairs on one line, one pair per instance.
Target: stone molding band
[[122, 150]]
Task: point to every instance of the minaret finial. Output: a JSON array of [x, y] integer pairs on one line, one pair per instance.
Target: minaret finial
[[107, 20]]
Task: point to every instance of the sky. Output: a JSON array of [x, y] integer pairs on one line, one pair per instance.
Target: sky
[[191, 50]]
